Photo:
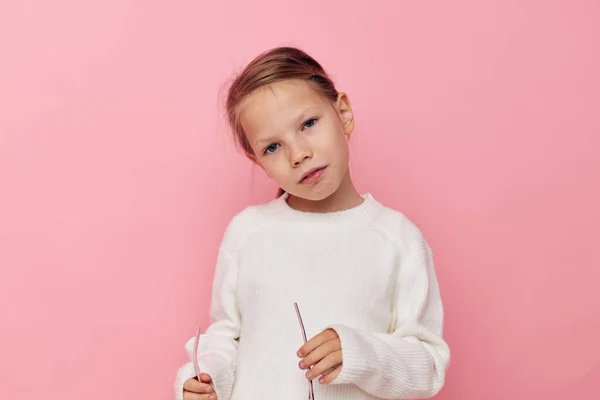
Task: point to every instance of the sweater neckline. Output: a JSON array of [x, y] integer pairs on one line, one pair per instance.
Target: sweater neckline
[[354, 217]]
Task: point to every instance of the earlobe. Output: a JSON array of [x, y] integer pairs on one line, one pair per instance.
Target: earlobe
[[345, 113], [349, 128]]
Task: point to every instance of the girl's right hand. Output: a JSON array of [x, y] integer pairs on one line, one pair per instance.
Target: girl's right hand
[[194, 389]]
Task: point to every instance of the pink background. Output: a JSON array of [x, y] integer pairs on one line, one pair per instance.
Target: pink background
[[478, 119]]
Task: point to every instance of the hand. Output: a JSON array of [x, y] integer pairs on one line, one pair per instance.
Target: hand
[[194, 389], [324, 354]]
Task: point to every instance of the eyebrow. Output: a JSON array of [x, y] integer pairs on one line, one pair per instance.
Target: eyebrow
[[303, 115]]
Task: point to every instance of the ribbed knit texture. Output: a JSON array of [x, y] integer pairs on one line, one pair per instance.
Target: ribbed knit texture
[[366, 272]]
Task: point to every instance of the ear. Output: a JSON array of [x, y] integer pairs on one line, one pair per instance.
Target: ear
[[344, 110]]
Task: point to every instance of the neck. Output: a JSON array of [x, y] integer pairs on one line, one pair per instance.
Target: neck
[[345, 197]]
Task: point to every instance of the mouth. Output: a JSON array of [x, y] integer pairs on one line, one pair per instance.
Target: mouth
[[312, 175]]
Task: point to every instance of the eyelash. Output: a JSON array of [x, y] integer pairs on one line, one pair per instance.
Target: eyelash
[[266, 150], [312, 119]]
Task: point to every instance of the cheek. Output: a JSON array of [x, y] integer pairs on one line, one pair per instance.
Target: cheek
[[338, 147], [273, 168]]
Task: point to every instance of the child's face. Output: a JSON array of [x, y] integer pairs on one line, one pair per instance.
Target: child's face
[[293, 130]]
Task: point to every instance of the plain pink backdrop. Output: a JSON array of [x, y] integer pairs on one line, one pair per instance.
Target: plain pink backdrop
[[478, 119]]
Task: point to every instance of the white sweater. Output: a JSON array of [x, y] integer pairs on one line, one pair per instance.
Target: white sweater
[[366, 272]]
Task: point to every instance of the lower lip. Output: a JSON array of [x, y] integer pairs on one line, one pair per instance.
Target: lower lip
[[312, 178]]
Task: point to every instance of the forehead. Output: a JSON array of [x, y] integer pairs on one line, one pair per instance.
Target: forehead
[[276, 106]]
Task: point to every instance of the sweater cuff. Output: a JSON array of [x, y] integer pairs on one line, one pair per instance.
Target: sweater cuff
[[183, 374], [222, 376], [216, 366], [355, 365], [221, 381]]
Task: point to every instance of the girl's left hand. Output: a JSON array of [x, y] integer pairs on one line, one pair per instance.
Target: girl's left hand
[[324, 354]]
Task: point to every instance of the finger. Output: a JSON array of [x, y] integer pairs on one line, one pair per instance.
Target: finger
[[320, 352], [196, 396], [330, 375], [192, 396], [192, 385], [330, 361], [205, 378], [330, 370], [316, 341]]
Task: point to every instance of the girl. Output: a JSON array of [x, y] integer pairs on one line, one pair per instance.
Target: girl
[[361, 273]]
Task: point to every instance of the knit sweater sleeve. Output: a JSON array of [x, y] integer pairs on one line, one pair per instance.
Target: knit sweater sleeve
[[217, 347], [411, 360]]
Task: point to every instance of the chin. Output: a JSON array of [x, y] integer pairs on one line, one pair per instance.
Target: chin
[[316, 193]]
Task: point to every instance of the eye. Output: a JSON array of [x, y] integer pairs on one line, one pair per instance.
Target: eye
[[271, 148], [310, 123]]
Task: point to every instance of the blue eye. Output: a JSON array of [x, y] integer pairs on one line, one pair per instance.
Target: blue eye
[[310, 123], [271, 148]]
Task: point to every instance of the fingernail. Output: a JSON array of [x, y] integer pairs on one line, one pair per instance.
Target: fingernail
[[302, 365], [211, 397], [300, 354], [308, 375]]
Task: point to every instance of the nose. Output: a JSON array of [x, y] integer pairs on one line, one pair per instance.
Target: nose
[[299, 154]]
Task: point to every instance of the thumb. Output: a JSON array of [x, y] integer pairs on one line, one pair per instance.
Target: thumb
[[205, 378]]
